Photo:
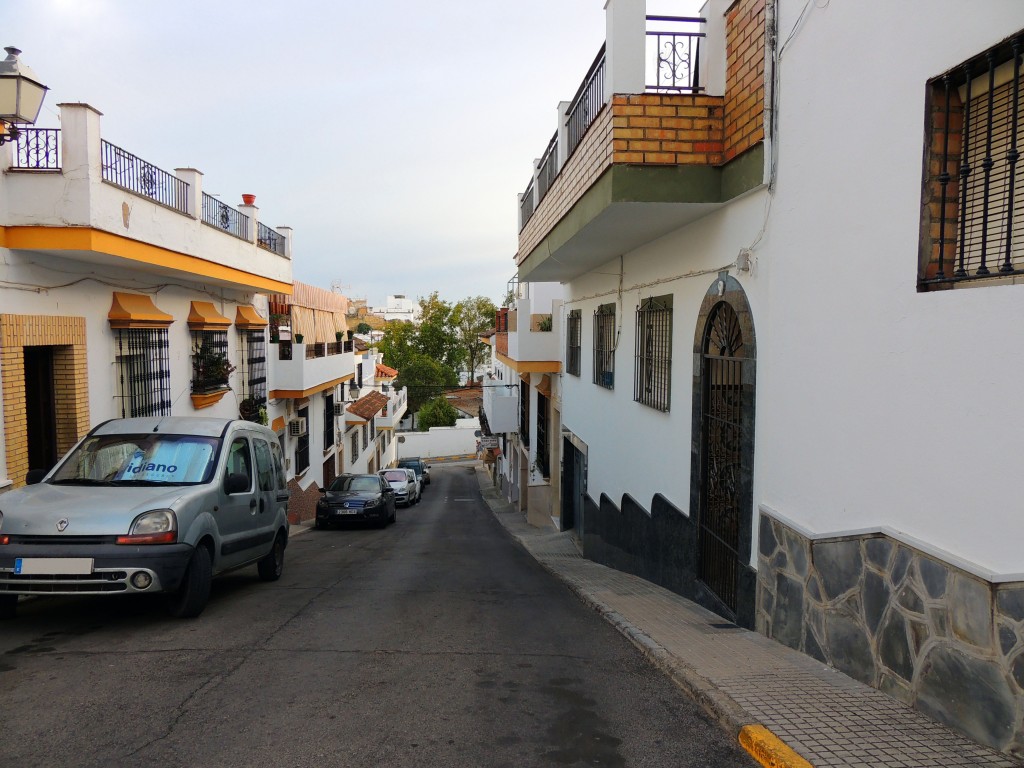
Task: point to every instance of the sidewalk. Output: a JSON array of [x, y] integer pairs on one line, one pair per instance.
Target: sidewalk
[[812, 715]]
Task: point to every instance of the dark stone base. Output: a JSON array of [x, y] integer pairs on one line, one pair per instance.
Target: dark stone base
[[660, 547]]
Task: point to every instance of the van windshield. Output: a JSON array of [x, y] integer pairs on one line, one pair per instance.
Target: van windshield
[[144, 459]]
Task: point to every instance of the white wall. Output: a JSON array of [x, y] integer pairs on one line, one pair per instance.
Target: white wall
[[440, 441], [878, 404]]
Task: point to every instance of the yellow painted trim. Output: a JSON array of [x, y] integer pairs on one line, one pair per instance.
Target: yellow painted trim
[[89, 239], [296, 394], [768, 749], [530, 366]]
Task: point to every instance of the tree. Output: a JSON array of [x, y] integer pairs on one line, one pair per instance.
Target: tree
[[437, 412], [425, 379], [436, 336], [471, 317], [363, 328], [398, 343]]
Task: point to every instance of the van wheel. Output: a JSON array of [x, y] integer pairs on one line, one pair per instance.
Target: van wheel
[[8, 606], [272, 565], [191, 598]]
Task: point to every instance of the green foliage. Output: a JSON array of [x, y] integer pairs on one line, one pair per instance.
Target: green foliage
[[398, 343], [436, 336], [472, 316], [437, 412], [363, 328], [425, 378]]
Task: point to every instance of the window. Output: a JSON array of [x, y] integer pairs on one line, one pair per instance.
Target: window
[[210, 364], [572, 342], [328, 422], [355, 446], [253, 354], [604, 346], [144, 373], [542, 435], [302, 446], [239, 460], [973, 207], [652, 373], [524, 413], [366, 437]]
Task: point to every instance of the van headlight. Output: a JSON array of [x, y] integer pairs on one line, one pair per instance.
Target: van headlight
[[158, 526]]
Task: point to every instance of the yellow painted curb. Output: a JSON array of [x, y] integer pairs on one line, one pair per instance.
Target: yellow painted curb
[[768, 749]]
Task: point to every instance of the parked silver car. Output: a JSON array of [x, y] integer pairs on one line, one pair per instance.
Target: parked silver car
[[148, 505], [407, 489]]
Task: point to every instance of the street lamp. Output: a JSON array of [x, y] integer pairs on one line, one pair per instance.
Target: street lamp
[[21, 95]]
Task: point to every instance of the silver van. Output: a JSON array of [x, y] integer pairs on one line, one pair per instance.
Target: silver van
[[148, 505]]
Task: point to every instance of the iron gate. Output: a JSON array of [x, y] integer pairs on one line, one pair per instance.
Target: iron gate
[[718, 522]]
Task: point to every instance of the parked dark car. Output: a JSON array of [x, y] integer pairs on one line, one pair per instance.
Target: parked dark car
[[420, 467], [356, 498]]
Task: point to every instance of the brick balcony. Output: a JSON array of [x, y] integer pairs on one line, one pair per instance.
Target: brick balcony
[[650, 162]]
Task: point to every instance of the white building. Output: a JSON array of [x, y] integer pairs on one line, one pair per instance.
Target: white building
[[399, 307], [777, 398]]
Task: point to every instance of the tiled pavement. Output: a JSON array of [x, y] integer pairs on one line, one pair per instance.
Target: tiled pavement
[[742, 677]]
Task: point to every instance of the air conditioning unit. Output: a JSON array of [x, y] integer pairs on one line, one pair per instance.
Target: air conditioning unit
[[297, 427], [339, 409]]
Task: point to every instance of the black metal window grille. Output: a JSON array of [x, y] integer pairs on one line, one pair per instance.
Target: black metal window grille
[[37, 149], [573, 338], [223, 216], [524, 414], [253, 354], [134, 174], [366, 437], [604, 346], [355, 446], [210, 364], [270, 239], [542, 435], [144, 371], [977, 224], [328, 422], [302, 446], [652, 372]]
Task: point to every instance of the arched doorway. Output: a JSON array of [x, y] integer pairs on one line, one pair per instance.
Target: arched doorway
[[723, 457]]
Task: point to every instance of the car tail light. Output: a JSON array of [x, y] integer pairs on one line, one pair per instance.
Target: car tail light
[[5, 539]]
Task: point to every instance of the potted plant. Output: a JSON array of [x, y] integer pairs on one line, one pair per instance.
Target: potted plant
[[337, 335], [249, 199], [298, 338]]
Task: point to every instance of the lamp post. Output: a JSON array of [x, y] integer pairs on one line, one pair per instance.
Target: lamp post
[[21, 95]]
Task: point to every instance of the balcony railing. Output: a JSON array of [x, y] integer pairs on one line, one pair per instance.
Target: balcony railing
[[125, 170], [223, 216], [548, 168], [676, 54], [586, 103], [37, 149], [270, 239], [526, 206]]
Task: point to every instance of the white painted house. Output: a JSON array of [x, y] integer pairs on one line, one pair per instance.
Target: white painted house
[[790, 330]]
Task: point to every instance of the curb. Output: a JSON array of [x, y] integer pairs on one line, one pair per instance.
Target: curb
[[770, 751]]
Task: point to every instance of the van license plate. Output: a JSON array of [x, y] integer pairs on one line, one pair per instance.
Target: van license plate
[[58, 566]]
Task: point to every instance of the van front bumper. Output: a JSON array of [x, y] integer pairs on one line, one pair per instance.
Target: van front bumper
[[91, 569]]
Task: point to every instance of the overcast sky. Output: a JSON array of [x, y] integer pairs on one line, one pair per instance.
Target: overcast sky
[[393, 137]]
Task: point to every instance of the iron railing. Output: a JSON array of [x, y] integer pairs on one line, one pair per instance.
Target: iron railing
[[125, 170], [269, 239], [676, 54], [144, 372], [526, 206], [652, 365], [37, 149], [587, 102], [573, 333], [548, 168], [223, 216], [604, 346]]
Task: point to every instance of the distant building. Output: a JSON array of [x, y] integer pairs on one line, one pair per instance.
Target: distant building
[[399, 307]]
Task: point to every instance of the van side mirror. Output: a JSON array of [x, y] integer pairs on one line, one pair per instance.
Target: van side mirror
[[34, 476], [236, 483]]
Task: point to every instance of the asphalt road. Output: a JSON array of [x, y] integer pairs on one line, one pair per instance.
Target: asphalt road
[[435, 642]]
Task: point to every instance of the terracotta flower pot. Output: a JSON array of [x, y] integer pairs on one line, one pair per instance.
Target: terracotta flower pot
[[249, 199]]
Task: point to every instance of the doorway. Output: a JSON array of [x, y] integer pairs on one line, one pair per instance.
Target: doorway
[[40, 408]]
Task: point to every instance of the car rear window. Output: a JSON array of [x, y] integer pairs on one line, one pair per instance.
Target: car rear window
[[396, 476]]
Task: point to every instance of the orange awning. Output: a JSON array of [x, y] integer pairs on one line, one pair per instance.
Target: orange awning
[[248, 319], [203, 316], [136, 310]]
